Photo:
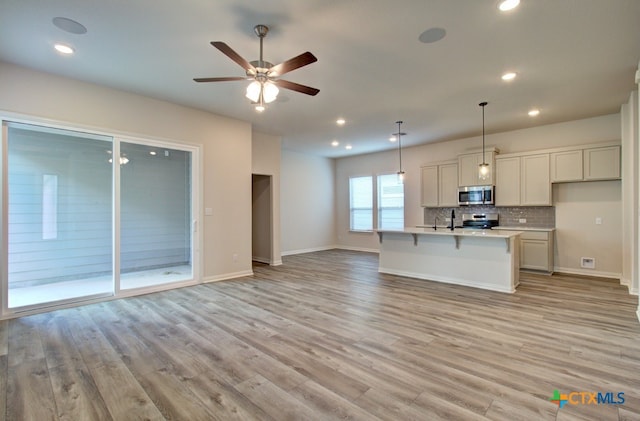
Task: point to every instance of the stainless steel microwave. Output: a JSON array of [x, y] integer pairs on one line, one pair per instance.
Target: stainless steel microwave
[[476, 195]]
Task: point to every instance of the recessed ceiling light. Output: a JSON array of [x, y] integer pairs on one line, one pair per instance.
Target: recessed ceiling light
[[534, 112], [509, 76], [348, 147], [507, 5], [152, 153], [340, 121], [392, 139], [335, 143], [64, 49]]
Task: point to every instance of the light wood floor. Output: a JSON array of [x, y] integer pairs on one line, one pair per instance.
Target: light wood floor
[[326, 337]]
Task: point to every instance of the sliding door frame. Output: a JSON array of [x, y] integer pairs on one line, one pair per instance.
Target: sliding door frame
[[195, 214]]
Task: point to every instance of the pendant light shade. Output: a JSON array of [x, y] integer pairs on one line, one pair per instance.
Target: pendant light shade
[[398, 137], [483, 170]]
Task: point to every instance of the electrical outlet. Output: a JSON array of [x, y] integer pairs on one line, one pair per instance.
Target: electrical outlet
[[235, 257], [598, 221], [522, 220], [447, 219]]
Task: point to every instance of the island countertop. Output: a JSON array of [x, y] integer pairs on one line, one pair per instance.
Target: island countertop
[[456, 232]]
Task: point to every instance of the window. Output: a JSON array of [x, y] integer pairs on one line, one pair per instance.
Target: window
[[390, 202], [361, 203]]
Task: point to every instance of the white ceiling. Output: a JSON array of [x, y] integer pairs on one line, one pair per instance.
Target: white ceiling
[[574, 58]]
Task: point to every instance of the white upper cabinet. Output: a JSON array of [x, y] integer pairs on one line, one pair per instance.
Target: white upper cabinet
[[566, 166], [448, 185], [534, 179], [429, 186], [508, 181], [586, 164], [523, 180], [602, 163], [439, 185], [469, 169]]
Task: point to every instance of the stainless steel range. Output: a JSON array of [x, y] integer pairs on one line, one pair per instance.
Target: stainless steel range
[[480, 220]]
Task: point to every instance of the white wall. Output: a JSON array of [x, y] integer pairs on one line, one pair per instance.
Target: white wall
[[265, 160], [592, 130], [577, 235], [225, 149], [307, 203]]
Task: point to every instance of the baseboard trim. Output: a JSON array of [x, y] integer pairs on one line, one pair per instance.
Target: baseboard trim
[[264, 260], [227, 276], [586, 272], [309, 250], [366, 250]]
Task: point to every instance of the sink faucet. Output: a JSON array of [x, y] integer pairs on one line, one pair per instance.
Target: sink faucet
[[453, 217]]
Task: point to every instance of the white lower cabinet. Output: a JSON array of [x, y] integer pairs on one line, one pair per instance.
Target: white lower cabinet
[[536, 250]]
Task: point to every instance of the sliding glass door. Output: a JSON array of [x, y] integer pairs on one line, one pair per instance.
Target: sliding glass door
[[59, 215], [155, 215], [92, 215]]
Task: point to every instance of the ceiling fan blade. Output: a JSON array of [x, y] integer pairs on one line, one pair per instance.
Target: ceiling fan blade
[[219, 79], [292, 64], [229, 52], [296, 87]]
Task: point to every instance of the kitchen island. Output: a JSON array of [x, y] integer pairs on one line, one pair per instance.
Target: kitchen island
[[477, 258]]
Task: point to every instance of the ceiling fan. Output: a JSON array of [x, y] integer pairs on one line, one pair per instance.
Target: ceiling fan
[[265, 76]]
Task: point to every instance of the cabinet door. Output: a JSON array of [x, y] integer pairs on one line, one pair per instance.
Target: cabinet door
[[535, 188], [534, 254], [429, 187], [448, 185], [508, 181], [468, 170], [602, 163], [566, 166]]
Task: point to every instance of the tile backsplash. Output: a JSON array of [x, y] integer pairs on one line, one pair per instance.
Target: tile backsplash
[[536, 216]]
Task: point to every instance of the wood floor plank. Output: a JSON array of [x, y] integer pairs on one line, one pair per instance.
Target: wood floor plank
[[263, 393], [325, 336], [75, 392]]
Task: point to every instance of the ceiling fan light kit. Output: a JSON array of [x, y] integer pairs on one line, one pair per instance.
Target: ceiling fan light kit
[[265, 85]]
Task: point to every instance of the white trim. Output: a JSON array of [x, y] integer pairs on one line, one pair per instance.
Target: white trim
[[267, 261], [309, 250], [595, 273], [226, 276], [366, 250]]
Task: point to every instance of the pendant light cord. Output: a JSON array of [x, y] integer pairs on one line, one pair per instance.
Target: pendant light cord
[[400, 144], [482, 104]]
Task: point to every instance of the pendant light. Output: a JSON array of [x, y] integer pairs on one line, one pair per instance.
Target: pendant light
[[399, 138], [484, 170]]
